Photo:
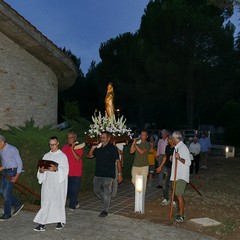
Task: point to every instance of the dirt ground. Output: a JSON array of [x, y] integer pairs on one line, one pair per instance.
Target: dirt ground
[[220, 201], [219, 186]]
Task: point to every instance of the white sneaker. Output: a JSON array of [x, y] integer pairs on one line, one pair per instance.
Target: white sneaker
[[165, 202]]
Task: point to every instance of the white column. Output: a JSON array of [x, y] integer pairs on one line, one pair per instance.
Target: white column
[[139, 196]]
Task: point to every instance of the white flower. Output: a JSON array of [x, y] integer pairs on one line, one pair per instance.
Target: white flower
[[101, 124]]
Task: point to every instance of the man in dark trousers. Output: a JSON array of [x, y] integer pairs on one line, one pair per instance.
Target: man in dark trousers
[[106, 157], [10, 169]]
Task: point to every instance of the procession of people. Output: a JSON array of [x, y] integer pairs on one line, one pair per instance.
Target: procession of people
[[169, 159]]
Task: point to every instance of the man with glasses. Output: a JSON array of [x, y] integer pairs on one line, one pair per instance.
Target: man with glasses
[[106, 157], [74, 156], [54, 181]]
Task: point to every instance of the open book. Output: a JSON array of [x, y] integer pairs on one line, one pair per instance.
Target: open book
[[46, 163]]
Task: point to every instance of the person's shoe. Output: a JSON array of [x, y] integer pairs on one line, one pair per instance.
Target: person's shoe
[[179, 218], [76, 207], [59, 226], [18, 209], [103, 214], [165, 202], [159, 186], [4, 217], [40, 228]]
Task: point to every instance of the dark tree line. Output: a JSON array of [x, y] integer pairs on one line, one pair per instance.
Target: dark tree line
[[180, 69]]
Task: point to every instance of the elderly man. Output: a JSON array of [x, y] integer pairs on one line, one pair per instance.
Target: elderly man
[[10, 170], [106, 157], [180, 172], [74, 156]]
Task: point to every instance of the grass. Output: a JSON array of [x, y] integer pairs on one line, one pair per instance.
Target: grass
[[32, 143]]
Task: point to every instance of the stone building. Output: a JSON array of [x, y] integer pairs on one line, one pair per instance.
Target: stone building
[[32, 71]]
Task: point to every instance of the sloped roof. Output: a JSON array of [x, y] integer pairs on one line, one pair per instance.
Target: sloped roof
[[18, 29]]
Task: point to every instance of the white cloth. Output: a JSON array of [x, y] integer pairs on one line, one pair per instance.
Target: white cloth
[[195, 148], [54, 190], [182, 168]]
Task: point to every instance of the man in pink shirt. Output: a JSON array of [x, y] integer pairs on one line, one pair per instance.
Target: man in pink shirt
[[74, 156], [162, 143]]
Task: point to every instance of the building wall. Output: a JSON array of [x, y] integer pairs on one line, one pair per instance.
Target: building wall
[[28, 88]]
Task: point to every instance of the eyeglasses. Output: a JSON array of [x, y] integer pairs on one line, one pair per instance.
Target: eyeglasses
[[53, 144]]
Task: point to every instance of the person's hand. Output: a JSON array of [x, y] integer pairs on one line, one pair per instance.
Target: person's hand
[[1, 168], [53, 168], [177, 156], [120, 179], [94, 146], [135, 140], [73, 145], [41, 169], [159, 169], [14, 179]]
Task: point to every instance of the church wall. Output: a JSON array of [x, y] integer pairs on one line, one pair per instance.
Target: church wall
[[28, 88]]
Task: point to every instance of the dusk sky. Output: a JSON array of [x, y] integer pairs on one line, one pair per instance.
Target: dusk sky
[[82, 25]]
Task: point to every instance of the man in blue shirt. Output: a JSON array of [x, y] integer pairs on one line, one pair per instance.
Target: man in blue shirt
[[205, 144], [10, 169]]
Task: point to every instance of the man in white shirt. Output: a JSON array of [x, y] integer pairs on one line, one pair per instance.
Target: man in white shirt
[[195, 149], [181, 162]]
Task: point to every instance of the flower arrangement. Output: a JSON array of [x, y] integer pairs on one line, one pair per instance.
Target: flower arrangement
[[115, 126]]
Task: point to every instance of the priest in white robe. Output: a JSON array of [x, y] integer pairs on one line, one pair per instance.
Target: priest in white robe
[[54, 188]]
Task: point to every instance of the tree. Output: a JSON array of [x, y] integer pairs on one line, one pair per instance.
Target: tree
[[188, 36]]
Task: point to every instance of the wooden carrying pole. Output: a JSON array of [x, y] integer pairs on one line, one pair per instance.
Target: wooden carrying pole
[[23, 186], [173, 190], [195, 188]]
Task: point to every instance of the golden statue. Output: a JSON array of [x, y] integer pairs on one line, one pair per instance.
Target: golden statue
[[109, 101]]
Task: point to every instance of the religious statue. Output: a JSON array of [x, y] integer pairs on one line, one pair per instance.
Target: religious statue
[[109, 101]]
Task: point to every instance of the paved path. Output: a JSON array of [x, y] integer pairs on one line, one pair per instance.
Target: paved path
[[84, 223]]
